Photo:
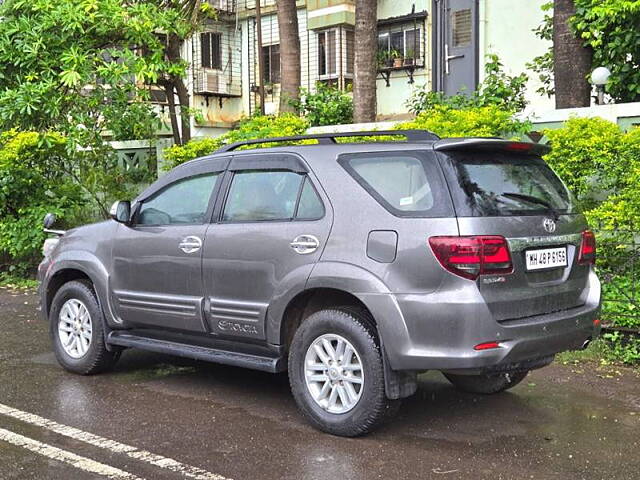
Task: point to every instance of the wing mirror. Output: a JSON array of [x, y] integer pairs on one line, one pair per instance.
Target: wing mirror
[[47, 223], [49, 220], [121, 211]]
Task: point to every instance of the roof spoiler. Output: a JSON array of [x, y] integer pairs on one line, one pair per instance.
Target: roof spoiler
[[491, 144]]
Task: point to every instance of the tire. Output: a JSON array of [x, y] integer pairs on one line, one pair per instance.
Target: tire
[[89, 354], [486, 384], [370, 405]]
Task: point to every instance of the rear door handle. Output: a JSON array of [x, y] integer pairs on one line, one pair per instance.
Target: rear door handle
[[190, 244], [305, 244]]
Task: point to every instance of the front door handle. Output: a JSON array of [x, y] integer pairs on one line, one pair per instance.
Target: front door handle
[[305, 244], [190, 244]]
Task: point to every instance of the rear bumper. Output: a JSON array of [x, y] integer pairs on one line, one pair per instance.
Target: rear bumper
[[436, 332]]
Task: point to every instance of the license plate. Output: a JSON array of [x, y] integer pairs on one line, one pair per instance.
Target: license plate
[[546, 258]]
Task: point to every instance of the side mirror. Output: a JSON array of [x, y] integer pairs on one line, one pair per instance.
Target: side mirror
[[49, 220], [121, 211]]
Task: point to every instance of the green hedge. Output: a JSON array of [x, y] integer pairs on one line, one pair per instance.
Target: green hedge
[[31, 184], [259, 126]]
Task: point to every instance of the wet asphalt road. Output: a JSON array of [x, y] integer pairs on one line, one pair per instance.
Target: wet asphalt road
[[563, 422]]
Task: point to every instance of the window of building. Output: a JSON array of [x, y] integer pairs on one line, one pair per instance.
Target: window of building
[[403, 40], [211, 50], [271, 63], [336, 55], [350, 40], [327, 47]]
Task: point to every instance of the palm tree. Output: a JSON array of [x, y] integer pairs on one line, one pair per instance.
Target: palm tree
[[365, 68], [289, 54], [572, 60]]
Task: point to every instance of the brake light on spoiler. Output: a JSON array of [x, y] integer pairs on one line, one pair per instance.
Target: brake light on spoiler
[[470, 257]]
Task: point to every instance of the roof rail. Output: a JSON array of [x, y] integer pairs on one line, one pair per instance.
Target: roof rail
[[330, 138]]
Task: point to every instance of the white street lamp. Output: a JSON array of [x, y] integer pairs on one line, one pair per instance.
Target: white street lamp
[[600, 77]]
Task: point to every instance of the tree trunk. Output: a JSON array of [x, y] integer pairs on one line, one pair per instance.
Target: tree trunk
[[365, 68], [173, 55], [175, 129], [289, 54], [572, 60]]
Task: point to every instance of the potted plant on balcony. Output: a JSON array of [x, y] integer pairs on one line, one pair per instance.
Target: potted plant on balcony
[[410, 59], [397, 58], [383, 59]]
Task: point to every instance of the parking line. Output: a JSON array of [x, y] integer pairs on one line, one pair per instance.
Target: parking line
[[81, 463], [111, 445]]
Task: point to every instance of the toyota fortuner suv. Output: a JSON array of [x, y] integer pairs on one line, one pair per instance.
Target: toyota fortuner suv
[[353, 266]]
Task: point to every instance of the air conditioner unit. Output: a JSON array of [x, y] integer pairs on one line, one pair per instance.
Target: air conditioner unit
[[212, 83], [222, 5]]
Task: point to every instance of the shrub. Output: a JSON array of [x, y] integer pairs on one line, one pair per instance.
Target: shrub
[[260, 126], [497, 89], [586, 154], [326, 106], [489, 121], [601, 164], [32, 183]]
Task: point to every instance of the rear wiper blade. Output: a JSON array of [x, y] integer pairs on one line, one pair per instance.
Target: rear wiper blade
[[531, 199]]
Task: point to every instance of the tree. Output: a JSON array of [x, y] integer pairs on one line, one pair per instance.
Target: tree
[[612, 29], [571, 59], [289, 54], [365, 68], [82, 68]]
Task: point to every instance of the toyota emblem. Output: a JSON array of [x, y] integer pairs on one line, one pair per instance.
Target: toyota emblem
[[549, 225]]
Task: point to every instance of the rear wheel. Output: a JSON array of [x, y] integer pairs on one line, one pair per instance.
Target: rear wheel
[[336, 373], [76, 329], [486, 384]]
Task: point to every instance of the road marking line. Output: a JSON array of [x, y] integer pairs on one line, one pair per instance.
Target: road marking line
[[81, 463], [111, 445]]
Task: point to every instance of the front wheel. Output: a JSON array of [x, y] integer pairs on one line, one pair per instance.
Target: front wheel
[[76, 329], [336, 373], [486, 384]]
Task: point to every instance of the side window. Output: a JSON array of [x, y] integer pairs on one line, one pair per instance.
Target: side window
[[263, 195], [310, 206], [400, 180], [183, 202]]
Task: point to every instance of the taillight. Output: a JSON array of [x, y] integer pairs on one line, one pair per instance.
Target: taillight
[[470, 257], [587, 248]]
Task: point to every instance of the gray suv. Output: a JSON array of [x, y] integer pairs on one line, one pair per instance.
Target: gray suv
[[353, 266]]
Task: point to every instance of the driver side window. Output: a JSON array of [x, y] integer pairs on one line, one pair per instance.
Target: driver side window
[[184, 202]]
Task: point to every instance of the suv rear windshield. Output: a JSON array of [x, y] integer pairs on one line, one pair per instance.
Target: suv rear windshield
[[407, 184], [502, 184]]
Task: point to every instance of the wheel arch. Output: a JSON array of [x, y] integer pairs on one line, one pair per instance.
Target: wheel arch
[[83, 266]]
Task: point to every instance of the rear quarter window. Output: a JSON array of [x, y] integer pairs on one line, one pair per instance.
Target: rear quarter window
[[407, 184]]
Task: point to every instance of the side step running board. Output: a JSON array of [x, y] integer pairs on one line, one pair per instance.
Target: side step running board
[[244, 360]]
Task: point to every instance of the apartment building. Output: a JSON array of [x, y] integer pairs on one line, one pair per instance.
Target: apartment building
[[438, 43]]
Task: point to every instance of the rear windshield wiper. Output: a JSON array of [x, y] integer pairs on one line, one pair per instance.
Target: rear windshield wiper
[[535, 200]]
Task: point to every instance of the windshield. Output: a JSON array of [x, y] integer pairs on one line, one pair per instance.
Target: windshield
[[502, 184]]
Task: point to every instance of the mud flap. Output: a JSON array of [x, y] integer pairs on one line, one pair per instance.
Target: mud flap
[[397, 384]]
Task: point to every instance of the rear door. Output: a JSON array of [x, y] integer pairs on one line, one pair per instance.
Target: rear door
[[271, 230], [519, 197]]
